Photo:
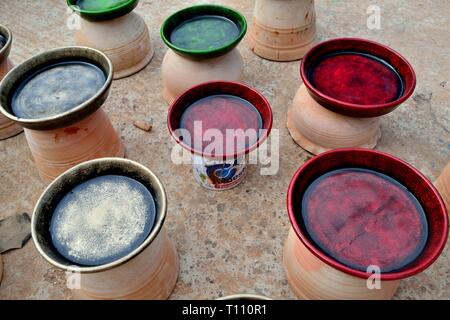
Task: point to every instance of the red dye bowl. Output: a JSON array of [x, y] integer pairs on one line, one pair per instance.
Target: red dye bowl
[[220, 88], [376, 50], [391, 166]]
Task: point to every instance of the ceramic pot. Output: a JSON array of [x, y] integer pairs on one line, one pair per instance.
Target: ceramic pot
[[244, 296], [312, 274], [401, 66], [148, 272], [183, 68], [317, 129], [179, 73], [8, 128], [121, 34], [79, 134], [104, 13], [310, 278], [443, 185], [219, 171], [282, 30]]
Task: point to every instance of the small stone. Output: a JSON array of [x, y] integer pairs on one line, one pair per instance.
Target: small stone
[[15, 231], [143, 125]]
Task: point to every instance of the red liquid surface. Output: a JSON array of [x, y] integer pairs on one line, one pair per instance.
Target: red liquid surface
[[356, 78], [361, 218], [221, 112]]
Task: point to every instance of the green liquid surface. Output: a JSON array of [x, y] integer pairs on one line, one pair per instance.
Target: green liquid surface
[[95, 5], [206, 32]]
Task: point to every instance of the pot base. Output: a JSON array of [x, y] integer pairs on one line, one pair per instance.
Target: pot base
[[153, 277], [180, 73], [54, 151], [311, 278], [8, 128], [443, 186], [281, 44], [317, 129], [125, 40]]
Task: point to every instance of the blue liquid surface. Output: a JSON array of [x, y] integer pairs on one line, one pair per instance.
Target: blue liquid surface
[[102, 220], [56, 89]]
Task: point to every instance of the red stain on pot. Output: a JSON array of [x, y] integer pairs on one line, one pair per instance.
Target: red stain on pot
[[362, 218], [357, 78], [71, 130]]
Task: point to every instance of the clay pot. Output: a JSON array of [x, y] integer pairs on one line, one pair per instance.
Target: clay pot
[[82, 133], [317, 129], [107, 13], [312, 274], [393, 58], [148, 272], [318, 122], [182, 68], [310, 278], [8, 128], [244, 296], [282, 30], [179, 73], [208, 168], [443, 185], [123, 36]]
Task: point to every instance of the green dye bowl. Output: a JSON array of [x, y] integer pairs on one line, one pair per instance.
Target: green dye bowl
[[107, 13], [176, 19]]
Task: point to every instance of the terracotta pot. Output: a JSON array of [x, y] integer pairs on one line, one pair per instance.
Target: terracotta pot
[[310, 278], [125, 40], [443, 185], [7, 127], [244, 296], [184, 68], [103, 11], [56, 150], [79, 134], [207, 167], [312, 274], [179, 73], [283, 30], [317, 129], [148, 272], [378, 51]]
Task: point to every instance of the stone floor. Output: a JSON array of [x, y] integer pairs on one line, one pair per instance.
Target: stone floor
[[231, 242]]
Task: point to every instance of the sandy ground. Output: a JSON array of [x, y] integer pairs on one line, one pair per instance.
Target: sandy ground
[[231, 242]]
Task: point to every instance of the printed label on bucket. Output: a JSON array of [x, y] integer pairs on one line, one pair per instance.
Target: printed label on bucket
[[219, 174]]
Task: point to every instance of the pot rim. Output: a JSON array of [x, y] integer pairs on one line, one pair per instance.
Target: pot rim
[[211, 53], [303, 237], [77, 113], [106, 13], [4, 52], [352, 109], [244, 296], [157, 227], [178, 103]]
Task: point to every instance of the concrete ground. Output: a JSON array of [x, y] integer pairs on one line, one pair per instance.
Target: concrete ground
[[231, 242]]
